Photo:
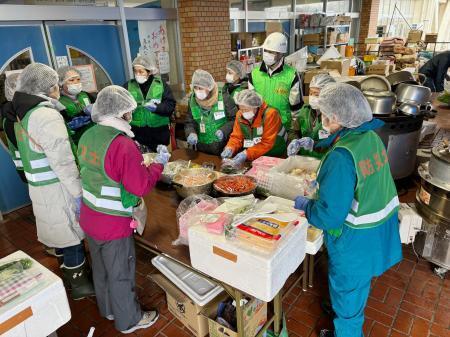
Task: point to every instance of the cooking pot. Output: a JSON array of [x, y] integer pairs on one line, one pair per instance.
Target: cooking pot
[[382, 102], [401, 77], [440, 164], [410, 108], [417, 94], [185, 190], [376, 82]]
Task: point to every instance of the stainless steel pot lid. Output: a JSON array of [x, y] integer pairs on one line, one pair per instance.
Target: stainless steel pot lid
[[378, 93], [442, 152], [424, 173]]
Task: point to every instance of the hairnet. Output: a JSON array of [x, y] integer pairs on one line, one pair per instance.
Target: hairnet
[[345, 103], [146, 61], [112, 101], [320, 80], [237, 67], [63, 74], [201, 78], [37, 78], [10, 85], [248, 98]]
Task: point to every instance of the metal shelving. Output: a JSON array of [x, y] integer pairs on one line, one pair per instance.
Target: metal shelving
[[301, 32]]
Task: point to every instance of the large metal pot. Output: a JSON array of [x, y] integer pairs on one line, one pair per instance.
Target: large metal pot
[[440, 164], [382, 102], [376, 82], [410, 109], [401, 77], [418, 94], [184, 190]]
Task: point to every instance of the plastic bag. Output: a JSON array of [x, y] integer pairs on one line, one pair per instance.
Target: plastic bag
[[192, 211]]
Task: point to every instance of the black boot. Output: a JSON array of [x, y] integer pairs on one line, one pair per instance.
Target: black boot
[[326, 333], [79, 281], [327, 308]]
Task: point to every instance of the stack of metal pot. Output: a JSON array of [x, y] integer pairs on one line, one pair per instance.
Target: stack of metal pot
[[433, 204]]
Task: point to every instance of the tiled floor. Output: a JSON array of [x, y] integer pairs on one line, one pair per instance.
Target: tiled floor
[[408, 300]]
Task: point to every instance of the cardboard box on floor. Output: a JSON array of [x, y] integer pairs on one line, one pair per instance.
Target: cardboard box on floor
[[341, 65], [182, 307], [255, 316]]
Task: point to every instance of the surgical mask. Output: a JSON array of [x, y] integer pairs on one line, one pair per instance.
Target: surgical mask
[[140, 79], [269, 59], [201, 94], [314, 102], [248, 115], [74, 89], [230, 78]]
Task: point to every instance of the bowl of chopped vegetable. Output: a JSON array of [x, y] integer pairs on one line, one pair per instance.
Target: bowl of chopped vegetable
[[235, 185], [191, 181]]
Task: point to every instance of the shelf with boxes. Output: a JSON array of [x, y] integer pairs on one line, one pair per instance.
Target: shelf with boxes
[[335, 35]]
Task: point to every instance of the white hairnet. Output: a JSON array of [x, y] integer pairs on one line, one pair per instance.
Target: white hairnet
[[112, 101], [237, 67], [37, 78], [320, 80], [147, 61], [10, 86], [346, 104], [201, 78], [63, 74], [248, 98]]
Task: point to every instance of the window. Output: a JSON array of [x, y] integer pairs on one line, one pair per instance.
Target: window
[[19, 61]]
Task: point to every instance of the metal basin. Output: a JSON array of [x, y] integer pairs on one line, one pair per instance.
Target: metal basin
[[410, 109], [382, 102], [376, 82], [401, 77], [418, 94]]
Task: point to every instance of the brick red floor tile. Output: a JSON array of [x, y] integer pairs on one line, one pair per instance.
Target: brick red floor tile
[[403, 322], [397, 334], [406, 267], [379, 316], [416, 310], [69, 330], [160, 324], [367, 327], [172, 330], [379, 291], [420, 327], [394, 297], [442, 316], [298, 328], [303, 317], [439, 330], [383, 307], [379, 330]]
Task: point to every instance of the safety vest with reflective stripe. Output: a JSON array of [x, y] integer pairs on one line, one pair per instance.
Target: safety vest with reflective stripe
[[13, 151], [100, 192], [141, 116], [253, 136], [209, 121], [375, 198], [75, 108], [36, 166]]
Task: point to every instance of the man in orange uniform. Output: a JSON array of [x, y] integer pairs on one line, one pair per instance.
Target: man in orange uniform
[[257, 129]]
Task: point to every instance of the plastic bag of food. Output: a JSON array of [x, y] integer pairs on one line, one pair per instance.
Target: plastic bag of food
[[229, 166], [192, 211]]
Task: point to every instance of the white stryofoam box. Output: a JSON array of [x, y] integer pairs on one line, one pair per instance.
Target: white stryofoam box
[[409, 223], [255, 272]]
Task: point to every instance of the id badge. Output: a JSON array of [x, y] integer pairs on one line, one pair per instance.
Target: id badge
[[248, 143], [259, 131], [257, 140], [219, 115], [220, 105], [323, 134], [86, 101], [202, 127]]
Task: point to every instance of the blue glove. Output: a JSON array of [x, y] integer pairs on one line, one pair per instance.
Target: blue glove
[[219, 134], [161, 149], [79, 122], [192, 139], [78, 206], [305, 142], [151, 107], [301, 202], [88, 109], [226, 153], [162, 158], [240, 158]]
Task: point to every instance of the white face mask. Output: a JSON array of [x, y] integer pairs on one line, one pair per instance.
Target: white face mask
[[74, 89], [140, 79], [314, 102], [269, 59], [201, 94], [248, 115], [230, 78]]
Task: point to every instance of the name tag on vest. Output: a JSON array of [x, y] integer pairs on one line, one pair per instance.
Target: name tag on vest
[[86, 101], [220, 105], [323, 134], [251, 142], [202, 127], [259, 131], [219, 114]]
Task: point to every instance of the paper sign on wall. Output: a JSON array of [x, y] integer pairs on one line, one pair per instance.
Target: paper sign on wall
[[61, 61], [164, 62], [88, 79], [153, 38]]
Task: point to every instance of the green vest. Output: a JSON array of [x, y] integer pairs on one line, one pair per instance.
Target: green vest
[[252, 136], [73, 109], [275, 90], [375, 197], [309, 128], [13, 151], [36, 166], [141, 116], [100, 192], [208, 121]]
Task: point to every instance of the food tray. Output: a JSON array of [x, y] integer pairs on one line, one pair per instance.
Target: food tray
[[235, 185]]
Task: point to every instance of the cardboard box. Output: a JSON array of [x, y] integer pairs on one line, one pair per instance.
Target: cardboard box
[[255, 316], [331, 37], [341, 65], [431, 38], [183, 308], [414, 35], [378, 69], [273, 26], [311, 73], [311, 39]]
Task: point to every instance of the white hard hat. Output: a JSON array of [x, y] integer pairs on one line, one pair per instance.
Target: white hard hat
[[276, 42]]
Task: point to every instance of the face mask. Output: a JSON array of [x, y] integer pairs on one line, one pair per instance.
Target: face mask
[[74, 89], [248, 115], [140, 79], [230, 78], [269, 58], [314, 102], [200, 94]]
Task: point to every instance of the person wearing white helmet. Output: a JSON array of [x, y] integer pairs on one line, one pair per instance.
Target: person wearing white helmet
[[155, 103], [51, 171], [235, 78], [257, 130], [310, 121], [211, 113], [356, 205], [77, 103], [277, 82], [114, 180]]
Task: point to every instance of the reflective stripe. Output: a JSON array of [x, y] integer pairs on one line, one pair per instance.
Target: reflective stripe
[[110, 191], [39, 177], [283, 134], [355, 205], [17, 153], [18, 163], [39, 163], [105, 203], [373, 217]]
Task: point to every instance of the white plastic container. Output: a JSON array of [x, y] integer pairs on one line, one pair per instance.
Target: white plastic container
[[199, 289], [312, 247], [254, 272]]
